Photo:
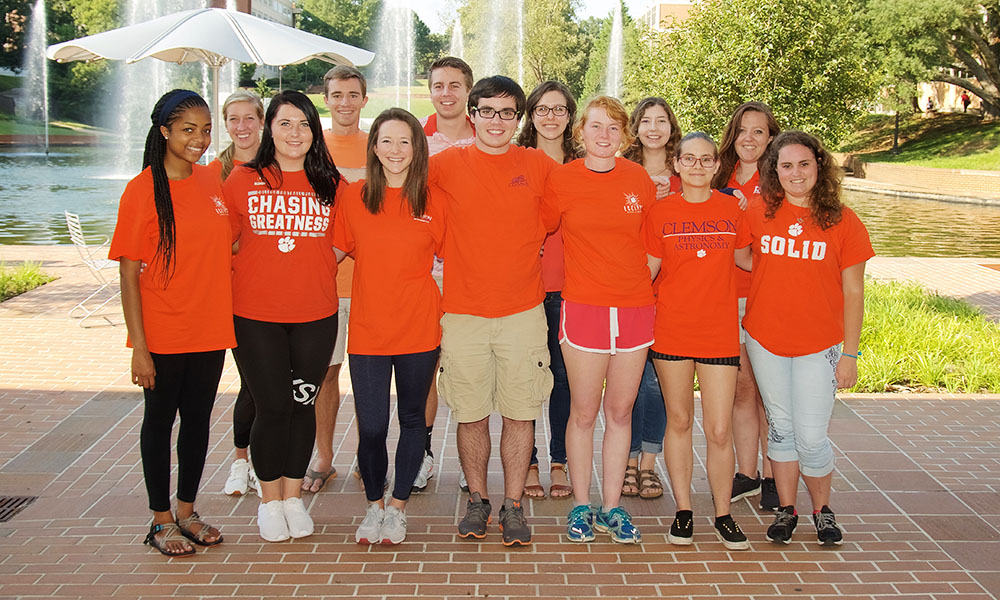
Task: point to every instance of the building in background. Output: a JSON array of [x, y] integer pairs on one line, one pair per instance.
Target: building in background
[[661, 16]]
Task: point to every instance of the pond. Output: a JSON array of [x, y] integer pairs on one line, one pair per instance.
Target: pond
[[35, 190]]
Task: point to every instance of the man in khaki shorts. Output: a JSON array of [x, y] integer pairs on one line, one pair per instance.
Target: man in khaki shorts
[[494, 352]]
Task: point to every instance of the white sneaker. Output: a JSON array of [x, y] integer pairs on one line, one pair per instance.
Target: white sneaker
[[393, 526], [300, 524], [425, 473], [239, 478], [371, 527], [253, 483], [271, 521]]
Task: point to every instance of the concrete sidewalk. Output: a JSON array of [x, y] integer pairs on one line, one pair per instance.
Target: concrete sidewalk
[[917, 490]]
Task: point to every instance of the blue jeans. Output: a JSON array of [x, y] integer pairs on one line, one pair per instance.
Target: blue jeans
[[798, 393], [559, 399], [649, 415]]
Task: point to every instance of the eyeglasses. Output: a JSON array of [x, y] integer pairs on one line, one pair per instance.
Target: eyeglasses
[[689, 160], [558, 110], [506, 114]]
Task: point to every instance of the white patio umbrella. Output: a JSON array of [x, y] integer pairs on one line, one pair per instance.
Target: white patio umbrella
[[213, 36]]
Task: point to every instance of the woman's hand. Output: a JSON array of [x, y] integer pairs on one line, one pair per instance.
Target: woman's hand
[[847, 372], [143, 371], [662, 186], [743, 202]]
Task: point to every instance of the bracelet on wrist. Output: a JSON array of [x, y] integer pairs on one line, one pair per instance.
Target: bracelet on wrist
[[854, 356]]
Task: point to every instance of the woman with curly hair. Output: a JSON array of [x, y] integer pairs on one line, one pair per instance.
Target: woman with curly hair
[[551, 110], [655, 135], [803, 320]]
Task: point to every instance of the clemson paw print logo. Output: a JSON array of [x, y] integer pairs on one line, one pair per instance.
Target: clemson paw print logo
[[701, 253], [795, 229], [286, 244]]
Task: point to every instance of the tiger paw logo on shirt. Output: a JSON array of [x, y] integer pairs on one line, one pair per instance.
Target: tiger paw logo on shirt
[[795, 229], [286, 244], [632, 205], [791, 246], [701, 254]]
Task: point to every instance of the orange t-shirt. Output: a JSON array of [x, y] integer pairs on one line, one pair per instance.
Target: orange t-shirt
[[396, 306], [696, 310], [553, 268], [194, 311], [285, 270], [796, 301], [349, 152], [494, 232], [601, 216], [216, 167], [750, 189]]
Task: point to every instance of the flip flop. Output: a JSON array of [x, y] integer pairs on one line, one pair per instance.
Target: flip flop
[[319, 476], [173, 534]]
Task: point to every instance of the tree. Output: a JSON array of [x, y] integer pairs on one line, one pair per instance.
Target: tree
[[593, 80], [953, 41], [13, 30], [551, 43], [808, 59]]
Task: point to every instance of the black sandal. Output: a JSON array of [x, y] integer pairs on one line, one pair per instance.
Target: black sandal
[[184, 526], [172, 534]]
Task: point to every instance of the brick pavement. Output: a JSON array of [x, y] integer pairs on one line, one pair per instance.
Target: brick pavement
[[917, 488]]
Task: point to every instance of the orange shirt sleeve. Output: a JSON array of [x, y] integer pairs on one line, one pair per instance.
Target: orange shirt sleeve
[[132, 235], [343, 239]]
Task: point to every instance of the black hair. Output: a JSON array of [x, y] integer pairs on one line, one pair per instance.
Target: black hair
[[497, 86], [322, 174], [167, 110]]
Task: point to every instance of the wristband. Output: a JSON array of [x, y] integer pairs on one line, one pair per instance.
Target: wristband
[[855, 356]]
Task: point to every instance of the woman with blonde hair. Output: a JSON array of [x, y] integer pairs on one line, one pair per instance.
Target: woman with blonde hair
[[243, 113], [607, 312]]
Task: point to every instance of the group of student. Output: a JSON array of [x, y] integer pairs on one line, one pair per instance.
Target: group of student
[[601, 258]]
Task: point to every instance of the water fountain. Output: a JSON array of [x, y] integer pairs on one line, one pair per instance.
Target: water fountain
[[394, 50], [457, 47], [613, 68], [34, 101], [491, 50]]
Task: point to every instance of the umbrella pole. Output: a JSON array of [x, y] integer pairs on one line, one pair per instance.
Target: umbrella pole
[[215, 106]]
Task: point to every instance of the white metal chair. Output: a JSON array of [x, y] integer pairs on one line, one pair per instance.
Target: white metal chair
[[105, 271]]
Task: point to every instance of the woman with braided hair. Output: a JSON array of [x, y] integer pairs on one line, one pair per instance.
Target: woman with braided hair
[[174, 244]]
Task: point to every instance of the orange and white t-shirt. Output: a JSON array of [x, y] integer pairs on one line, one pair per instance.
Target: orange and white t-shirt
[[750, 189], [601, 222], [796, 301], [193, 312], [348, 152], [494, 231], [285, 270], [438, 142], [696, 310], [396, 305]]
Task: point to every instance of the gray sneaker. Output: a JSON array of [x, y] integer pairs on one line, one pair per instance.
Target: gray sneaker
[[513, 525], [393, 526], [371, 527], [477, 517]]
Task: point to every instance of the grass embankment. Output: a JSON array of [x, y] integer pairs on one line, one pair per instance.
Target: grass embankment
[[946, 140], [380, 99], [917, 341], [11, 125], [17, 280]]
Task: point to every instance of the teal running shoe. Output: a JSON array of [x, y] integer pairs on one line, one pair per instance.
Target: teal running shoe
[[580, 524], [618, 524]]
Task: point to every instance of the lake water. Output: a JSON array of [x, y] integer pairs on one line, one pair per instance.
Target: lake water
[[35, 190]]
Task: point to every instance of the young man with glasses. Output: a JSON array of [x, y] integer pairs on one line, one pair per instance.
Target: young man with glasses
[[494, 353]]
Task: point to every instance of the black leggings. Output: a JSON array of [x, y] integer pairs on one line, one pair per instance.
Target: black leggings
[[243, 413], [283, 364], [185, 383], [370, 376]]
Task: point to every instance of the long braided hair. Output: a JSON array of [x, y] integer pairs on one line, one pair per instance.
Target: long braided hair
[[168, 108]]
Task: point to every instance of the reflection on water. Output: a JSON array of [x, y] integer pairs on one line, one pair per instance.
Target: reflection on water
[[35, 190]]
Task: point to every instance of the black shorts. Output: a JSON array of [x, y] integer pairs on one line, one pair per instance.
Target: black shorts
[[729, 361]]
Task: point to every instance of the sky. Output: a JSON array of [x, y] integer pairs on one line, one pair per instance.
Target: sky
[[430, 11]]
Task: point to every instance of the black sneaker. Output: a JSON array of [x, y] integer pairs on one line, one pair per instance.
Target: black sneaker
[[477, 517], [744, 487], [769, 495], [682, 529], [827, 531], [784, 524], [513, 526], [730, 534]]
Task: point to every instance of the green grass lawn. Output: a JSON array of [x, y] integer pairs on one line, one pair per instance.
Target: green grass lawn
[[8, 82], [17, 280], [913, 340], [380, 99], [18, 126], [947, 140]]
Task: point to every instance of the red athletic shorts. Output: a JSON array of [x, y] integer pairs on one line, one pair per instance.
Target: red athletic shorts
[[606, 329]]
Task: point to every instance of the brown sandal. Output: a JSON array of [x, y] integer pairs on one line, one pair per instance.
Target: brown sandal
[[650, 485], [185, 524], [534, 490], [630, 485], [559, 490]]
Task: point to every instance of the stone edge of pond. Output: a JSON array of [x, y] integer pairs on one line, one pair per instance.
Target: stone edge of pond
[[862, 185]]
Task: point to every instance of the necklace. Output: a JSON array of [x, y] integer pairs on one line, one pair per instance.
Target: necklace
[[661, 171]]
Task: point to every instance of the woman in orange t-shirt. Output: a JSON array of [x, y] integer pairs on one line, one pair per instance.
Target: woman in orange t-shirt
[[284, 300], [748, 135], [691, 236], [243, 114], [657, 134], [607, 312], [392, 223], [803, 320], [174, 245]]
